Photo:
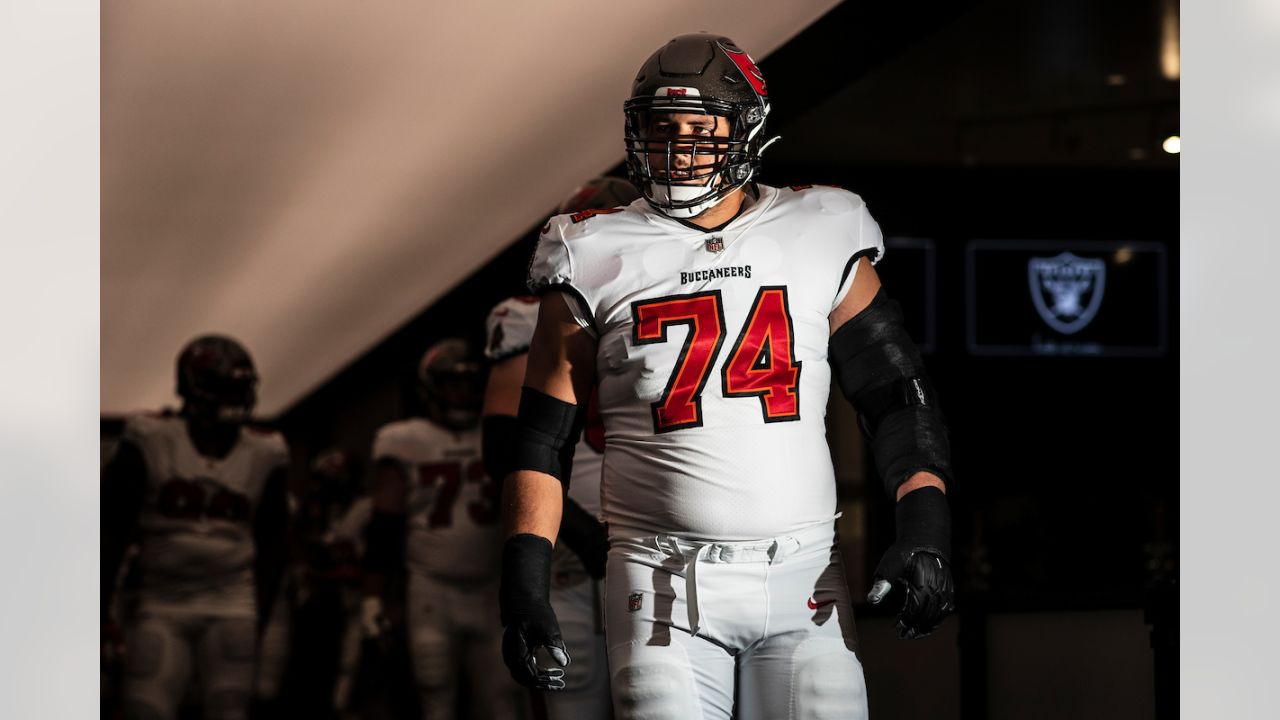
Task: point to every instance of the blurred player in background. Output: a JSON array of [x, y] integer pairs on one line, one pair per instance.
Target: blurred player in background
[[332, 530], [435, 509], [203, 495], [578, 562], [307, 648]]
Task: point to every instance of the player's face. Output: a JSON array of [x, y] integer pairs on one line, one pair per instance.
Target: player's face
[[694, 152]]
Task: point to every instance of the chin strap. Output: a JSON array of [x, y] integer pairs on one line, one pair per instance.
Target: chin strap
[[658, 191]]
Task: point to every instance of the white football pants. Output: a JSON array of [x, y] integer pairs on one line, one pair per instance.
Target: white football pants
[[576, 600], [162, 650], [694, 628], [453, 629]]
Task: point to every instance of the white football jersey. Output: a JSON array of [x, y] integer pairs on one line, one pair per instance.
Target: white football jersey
[[196, 550], [452, 503], [712, 356], [510, 330]]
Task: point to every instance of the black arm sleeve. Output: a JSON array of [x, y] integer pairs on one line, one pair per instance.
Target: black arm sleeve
[[881, 372], [549, 430], [270, 538], [124, 482], [498, 435]]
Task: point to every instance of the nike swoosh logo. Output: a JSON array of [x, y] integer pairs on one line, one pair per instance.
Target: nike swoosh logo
[[815, 605]]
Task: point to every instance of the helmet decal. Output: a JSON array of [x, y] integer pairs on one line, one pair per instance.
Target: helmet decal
[[671, 91], [748, 68]]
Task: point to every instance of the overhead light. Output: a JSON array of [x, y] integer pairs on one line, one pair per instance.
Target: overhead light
[[1170, 43], [1172, 144]]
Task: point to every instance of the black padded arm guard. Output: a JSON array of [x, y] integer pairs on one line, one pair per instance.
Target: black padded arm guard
[[549, 428], [498, 434], [880, 371]]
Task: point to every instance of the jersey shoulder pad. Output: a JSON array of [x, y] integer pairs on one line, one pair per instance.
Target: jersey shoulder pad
[[551, 263], [590, 223], [509, 327], [143, 428], [569, 242], [269, 442], [395, 439], [861, 236]]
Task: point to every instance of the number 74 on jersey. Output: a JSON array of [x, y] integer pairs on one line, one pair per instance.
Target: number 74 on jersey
[[761, 363]]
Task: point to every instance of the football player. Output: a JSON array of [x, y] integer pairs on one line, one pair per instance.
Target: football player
[[710, 315], [204, 496], [436, 510], [312, 637], [578, 563]]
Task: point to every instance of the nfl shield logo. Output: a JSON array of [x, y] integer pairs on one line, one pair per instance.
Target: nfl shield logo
[[715, 244], [1067, 290], [634, 600]]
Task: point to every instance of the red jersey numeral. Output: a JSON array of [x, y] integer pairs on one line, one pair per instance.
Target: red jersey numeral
[[179, 499], [447, 477], [681, 402], [761, 363], [483, 511]]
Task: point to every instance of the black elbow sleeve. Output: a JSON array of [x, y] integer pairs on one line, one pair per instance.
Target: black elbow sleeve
[[498, 434], [881, 372], [549, 428]]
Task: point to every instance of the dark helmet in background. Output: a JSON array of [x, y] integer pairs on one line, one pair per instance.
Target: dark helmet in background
[[696, 73], [335, 476], [601, 193], [217, 380], [451, 383]]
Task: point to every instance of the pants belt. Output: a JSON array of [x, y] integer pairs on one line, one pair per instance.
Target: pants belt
[[694, 554]]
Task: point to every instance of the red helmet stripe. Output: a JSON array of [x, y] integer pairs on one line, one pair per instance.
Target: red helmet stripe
[[749, 70]]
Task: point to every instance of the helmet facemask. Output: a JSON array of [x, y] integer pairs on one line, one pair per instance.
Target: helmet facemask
[[703, 74], [225, 399], [217, 382], [718, 164]]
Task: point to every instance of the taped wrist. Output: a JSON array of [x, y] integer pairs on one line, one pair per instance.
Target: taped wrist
[[498, 435], [526, 575], [384, 542], [923, 521], [880, 371], [549, 428]]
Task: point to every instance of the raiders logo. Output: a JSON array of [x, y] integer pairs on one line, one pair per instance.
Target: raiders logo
[[1067, 290]]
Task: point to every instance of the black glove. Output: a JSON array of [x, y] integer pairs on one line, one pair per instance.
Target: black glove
[[919, 562], [527, 618], [585, 536]]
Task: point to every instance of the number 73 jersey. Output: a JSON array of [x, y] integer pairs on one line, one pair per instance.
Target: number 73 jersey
[[452, 504], [712, 356]]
